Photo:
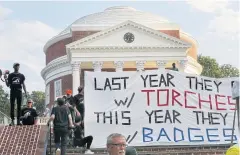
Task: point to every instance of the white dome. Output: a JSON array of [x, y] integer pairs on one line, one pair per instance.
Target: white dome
[[116, 15]]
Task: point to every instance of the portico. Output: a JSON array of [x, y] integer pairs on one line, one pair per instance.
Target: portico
[[142, 48]]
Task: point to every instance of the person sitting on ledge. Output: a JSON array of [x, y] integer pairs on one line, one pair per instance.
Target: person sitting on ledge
[[29, 114], [79, 139]]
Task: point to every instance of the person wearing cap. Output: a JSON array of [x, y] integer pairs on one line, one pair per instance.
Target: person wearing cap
[[29, 114], [16, 81], [62, 121], [70, 102]]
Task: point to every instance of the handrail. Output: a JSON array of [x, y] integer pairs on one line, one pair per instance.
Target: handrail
[[6, 119], [50, 130], [50, 139], [5, 115]]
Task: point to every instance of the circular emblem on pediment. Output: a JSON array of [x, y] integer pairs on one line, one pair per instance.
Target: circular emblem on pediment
[[128, 37]]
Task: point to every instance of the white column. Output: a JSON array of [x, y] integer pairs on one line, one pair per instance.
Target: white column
[[161, 64], [140, 65], [182, 64], [97, 66], [75, 76], [119, 66]]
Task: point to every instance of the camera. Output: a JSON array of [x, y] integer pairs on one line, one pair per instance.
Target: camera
[[4, 75]]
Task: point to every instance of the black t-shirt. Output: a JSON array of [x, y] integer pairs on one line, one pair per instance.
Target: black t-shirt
[[15, 80], [71, 101], [79, 132], [79, 104], [30, 116], [61, 117]]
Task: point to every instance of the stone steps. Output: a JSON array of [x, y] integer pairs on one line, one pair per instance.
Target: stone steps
[[157, 150], [202, 152]]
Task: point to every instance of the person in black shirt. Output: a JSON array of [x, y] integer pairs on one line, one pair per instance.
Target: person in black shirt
[[15, 81], [79, 98], [29, 115], [79, 139], [70, 102], [62, 120], [174, 67]]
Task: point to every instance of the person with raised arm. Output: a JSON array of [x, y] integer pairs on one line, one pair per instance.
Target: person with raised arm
[[15, 81]]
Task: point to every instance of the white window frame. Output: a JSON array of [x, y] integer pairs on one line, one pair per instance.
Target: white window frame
[[47, 94], [57, 85]]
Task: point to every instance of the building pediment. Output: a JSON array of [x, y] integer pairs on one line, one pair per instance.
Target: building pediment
[[128, 35]]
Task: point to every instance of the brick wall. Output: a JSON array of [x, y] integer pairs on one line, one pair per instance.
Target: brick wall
[[57, 50], [77, 35], [173, 33], [23, 140], [66, 84]]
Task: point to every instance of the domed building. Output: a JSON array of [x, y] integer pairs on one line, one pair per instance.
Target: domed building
[[117, 39]]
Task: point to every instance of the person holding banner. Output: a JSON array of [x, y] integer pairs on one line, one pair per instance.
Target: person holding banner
[[15, 81], [116, 144]]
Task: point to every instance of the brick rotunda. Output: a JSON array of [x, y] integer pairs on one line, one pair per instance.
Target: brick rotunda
[[117, 39]]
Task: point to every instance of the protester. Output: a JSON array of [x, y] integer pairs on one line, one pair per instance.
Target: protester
[[62, 121], [79, 101], [79, 139], [174, 67], [70, 102], [29, 114], [116, 144], [15, 81]]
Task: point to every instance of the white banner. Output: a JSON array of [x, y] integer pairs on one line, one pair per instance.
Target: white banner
[[158, 108]]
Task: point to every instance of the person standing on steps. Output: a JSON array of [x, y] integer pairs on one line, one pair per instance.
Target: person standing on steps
[[16, 81], [79, 101], [62, 121]]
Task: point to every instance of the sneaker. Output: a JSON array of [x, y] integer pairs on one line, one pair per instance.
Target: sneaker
[[58, 152], [89, 152]]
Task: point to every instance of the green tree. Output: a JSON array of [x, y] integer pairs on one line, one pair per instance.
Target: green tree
[[4, 102], [212, 69], [38, 98], [210, 66], [229, 71]]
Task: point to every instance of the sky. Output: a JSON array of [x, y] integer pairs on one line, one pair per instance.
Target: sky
[[26, 26]]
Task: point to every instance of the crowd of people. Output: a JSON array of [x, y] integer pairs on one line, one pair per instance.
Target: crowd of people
[[67, 117]]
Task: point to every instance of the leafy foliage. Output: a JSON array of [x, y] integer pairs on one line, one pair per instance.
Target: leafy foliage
[[212, 69], [38, 98]]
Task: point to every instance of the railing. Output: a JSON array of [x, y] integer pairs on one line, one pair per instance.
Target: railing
[[4, 119], [43, 121]]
